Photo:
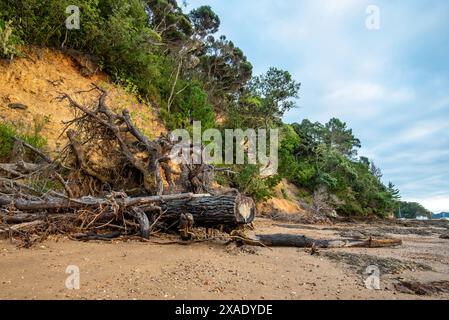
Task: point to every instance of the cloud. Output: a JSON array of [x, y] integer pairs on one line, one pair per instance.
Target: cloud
[[416, 156], [441, 103], [356, 92], [367, 92], [418, 138], [423, 130]]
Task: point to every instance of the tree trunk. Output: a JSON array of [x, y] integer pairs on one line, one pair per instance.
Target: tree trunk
[[57, 204], [299, 241], [213, 211]]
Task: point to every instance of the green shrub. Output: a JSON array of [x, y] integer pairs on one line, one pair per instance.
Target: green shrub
[[305, 196], [285, 194], [7, 133], [36, 140], [249, 182], [351, 209], [191, 105], [33, 137], [8, 40]]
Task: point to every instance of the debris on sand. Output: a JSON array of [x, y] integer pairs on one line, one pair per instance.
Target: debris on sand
[[359, 234], [383, 228], [386, 265], [381, 231], [422, 289], [299, 219], [234, 249], [445, 236]]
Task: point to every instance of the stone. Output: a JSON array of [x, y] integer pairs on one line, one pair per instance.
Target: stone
[[17, 106]]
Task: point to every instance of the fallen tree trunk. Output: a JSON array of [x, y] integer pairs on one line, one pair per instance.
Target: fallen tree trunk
[[57, 204], [19, 217], [227, 211], [213, 211], [299, 241]]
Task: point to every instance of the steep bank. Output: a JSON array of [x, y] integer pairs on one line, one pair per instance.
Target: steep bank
[[36, 81]]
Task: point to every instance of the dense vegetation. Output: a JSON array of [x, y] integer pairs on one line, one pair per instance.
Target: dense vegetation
[[411, 210], [30, 135], [177, 63]]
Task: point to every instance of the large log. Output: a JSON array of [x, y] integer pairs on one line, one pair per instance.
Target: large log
[[300, 241], [214, 211], [58, 204]]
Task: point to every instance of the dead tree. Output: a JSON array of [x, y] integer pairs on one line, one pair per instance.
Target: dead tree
[[98, 132], [111, 178], [300, 241]]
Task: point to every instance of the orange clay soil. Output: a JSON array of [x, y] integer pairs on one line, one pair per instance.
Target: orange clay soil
[[36, 81]]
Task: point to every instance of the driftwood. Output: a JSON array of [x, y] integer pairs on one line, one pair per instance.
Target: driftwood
[[300, 241], [95, 236], [144, 223], [19, 218]]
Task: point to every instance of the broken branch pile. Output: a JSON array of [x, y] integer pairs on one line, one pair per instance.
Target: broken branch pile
[[111, 180]]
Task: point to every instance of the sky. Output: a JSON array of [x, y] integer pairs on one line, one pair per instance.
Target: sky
[[389, 84]]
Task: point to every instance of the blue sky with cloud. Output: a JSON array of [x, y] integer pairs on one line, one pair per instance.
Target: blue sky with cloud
[[390, 85]]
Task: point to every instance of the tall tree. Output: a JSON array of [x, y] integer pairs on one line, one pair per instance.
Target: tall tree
[[277, 90], [167, 19], [267, 97], [224, 69], [205, 21], [337, 135]]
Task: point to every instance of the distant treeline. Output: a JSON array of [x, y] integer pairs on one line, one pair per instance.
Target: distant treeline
[[412, 210]]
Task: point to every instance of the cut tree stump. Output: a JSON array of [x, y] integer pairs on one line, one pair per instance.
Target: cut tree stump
[[213, 211]]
